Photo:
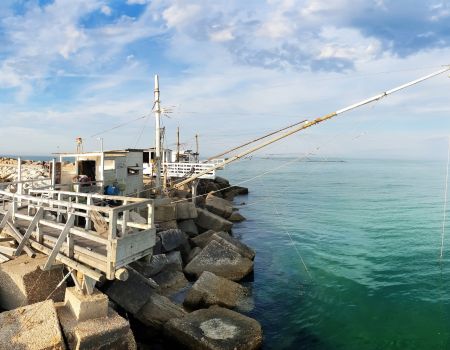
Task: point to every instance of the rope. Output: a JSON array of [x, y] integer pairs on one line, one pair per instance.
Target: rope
[[445, 201]]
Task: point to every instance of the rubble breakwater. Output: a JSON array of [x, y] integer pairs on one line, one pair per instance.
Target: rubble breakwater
[[30, 170], [187, 294]]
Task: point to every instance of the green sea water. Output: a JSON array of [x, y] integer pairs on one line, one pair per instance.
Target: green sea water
[[369, 234]]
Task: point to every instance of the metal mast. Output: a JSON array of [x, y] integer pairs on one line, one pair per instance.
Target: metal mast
[[157, 111]]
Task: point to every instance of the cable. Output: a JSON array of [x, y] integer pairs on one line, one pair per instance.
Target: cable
[[119, 126]]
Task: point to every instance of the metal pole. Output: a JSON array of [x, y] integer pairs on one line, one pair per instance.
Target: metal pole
[[196, 147], [157, 111], [19, 178], [308, 124], [177, 158]]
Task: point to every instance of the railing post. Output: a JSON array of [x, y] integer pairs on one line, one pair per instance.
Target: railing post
[[53, 178], [19, 178], [125, 217]]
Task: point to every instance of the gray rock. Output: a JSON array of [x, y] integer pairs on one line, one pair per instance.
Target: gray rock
[[203, 239], [210, 221], [225, 239], [158, 310], [174, 260], [170, 281], [218, 206], [166, 225], [172, 239], [131, 294], [215, 328], [210, 289], [221, 260], [166, 212], [222, 182], [151, 268], [236, 217], [186, 210], [194, 252], [189, 227]]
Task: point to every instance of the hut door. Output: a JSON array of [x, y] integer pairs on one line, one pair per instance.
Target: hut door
[[87, 167]]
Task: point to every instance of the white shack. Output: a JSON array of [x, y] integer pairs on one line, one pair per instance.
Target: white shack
[[120, 168]]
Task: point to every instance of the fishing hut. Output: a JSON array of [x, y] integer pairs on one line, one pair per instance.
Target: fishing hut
[[121, 171]]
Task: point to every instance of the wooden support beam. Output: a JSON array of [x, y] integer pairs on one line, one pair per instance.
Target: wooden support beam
[[6, 239], [4, 258], [62, 237], [5, 218], [88, 285], [7, 250], [14, 232], [30, 229]]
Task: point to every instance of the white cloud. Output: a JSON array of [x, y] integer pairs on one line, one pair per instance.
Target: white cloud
[[179, 15], [106, 10], [137, 2], [222, 35]]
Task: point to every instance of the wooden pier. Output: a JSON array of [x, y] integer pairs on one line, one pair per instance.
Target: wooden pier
[[94, 235]]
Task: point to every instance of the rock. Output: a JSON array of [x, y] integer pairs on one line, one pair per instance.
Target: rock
[[222, 182], [203, 239], [135, 217], [215, 328], [227, 240], [158, 310], [221, 260], [189, 227], [34, 327], [236, 217], [22, 282], [133, 293], [218, 206], [170, 280], [214, 290], [210, 221], [166, 212], [151, 268], [174, 260], [194, 252], [166, 225], [186, 210], [172, 239], [110, 332]]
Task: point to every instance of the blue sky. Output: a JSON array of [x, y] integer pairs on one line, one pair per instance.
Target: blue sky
[[229, 70]]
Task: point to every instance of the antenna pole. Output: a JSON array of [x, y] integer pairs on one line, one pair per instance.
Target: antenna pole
[[177, 158], [157, 111], [196, 147]]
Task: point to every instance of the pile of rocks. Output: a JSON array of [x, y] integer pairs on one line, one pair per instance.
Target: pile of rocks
[[31, 170], [188, 290]]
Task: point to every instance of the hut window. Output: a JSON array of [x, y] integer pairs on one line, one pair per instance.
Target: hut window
[[109, 164]]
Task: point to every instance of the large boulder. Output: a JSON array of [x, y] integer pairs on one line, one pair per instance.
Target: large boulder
[[186, 210], [210, 290], [218, 206], [152, 267], [189, 227], [174, 239], [211, 221], [221, 260], [166, 212], [170, 281], [34, 327], [215, 328], [203, 239], [235, 244], [236, 217]]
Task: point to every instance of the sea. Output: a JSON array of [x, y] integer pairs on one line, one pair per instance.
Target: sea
[[347, 252]]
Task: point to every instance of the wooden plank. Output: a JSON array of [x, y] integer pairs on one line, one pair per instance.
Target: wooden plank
[[69, 262], [7, 250], [135, 243], [6, 239], [4, 258], [14, 232], [30, 229], [59, 242], [5, 218]]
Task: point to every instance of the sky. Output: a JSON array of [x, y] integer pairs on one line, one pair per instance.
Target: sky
[[230, 70]]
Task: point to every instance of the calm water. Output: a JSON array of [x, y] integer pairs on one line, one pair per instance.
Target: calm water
[[369, 234]]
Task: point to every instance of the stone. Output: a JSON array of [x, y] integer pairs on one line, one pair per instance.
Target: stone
[[210, 290], [222, 182], [189, 227], [159, 310], [186, 210], [172, 239], [235, 244], [131, 294], [33, 327], [166, 225], [236, 217], [218, 206], [22, 282], [137, 218], [175, 261], [203, 239], [111, 332], [220, 260], [170, 281], [86, 307], [211, 221], [215, 328], [194, 252], [157, 249], [152, 267], [165, 213]]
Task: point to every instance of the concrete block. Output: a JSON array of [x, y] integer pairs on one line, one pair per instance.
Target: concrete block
[[189, 227], [22, 282], [203, 239], [218, 206], [33, 327], [211, 221], [186, 210], [111, 332], [165, 213], [86, 307]]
